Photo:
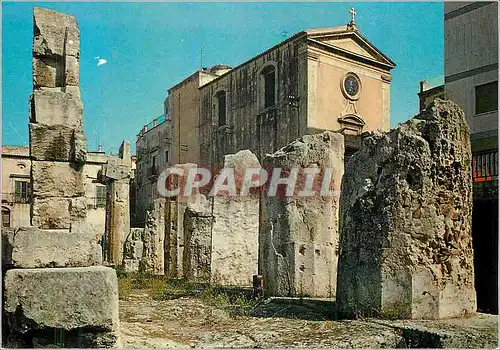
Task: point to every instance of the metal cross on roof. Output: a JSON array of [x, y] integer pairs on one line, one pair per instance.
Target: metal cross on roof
[[353, 14]]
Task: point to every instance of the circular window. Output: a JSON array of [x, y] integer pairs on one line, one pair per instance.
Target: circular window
[[21, 166], [351, 86]]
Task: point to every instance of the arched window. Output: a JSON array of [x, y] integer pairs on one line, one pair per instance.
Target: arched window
[[269, 77], [221, 107]]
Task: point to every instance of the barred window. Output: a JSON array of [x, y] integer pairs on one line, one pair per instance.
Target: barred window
[[485, 166]]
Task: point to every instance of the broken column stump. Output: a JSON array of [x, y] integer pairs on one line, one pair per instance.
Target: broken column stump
[[153, 238], [197, 254], [54, 294], [235, 231], [116, 175], [299, 235], [406, 211]]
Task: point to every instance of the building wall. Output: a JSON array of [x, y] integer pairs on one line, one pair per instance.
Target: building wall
[[16, 166], [326, 102], [155, 142], [96, 209], [471, 59], [249, 124], [184, 111]]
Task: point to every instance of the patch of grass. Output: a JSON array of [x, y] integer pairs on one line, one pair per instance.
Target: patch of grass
[[235, 301]]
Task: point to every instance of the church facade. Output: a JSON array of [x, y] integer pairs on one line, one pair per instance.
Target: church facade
[[321, 79]]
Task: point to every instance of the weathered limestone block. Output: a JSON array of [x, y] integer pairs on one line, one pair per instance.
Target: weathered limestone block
[[153, 239], [197, 255], [116, 169], [235, 232], [174, 247], [78, 149], [57, 142], [406, 247], [72, 71], [30, 247], [300, 234], [52, 107], [51, 213], [63, 298], [47, 72], [56, 179], [133, 250], [55, 34]]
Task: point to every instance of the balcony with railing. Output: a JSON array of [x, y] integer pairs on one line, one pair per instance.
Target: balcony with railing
[[16, 198]]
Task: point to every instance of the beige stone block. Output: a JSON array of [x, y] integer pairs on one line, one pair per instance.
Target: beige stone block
[[47, 72], [72, 71], [34, 248], [51, 213], [56, 108], [51, 142], [56, 34], [67, 298], [56, 179]]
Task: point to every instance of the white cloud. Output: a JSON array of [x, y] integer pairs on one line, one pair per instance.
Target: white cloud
[[100, 61]]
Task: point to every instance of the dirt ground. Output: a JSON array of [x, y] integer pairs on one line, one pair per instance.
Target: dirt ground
[[196, 322]]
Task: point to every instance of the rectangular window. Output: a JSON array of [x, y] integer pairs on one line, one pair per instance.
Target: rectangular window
[[487, 97], [221, 102], [21, 192], [269, 88], [153, 162], [166, 156], [100, 192]]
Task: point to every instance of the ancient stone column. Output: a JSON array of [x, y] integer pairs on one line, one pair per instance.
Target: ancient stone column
[[57, 143], [235, 231], [116, 176], [153, 238], [299, 234], [174, 227], [197, 253], [406, 206], [54, 294]]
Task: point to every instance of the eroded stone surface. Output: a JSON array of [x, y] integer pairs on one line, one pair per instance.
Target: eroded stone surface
[[406, 248], [55, 34], [153, 238], [197, 225], [133, 250], [30, 247], [65, 298], [56, 179], [51, 213], [235, 232], [299, 235], [52, 107]]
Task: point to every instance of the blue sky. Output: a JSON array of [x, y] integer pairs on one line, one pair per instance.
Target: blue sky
[[149, 47]]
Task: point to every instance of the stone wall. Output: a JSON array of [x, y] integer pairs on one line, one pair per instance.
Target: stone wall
[[154, 239], [299, 235], [406, 206]]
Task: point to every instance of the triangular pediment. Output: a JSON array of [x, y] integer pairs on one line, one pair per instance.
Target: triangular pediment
[[350, 42]]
